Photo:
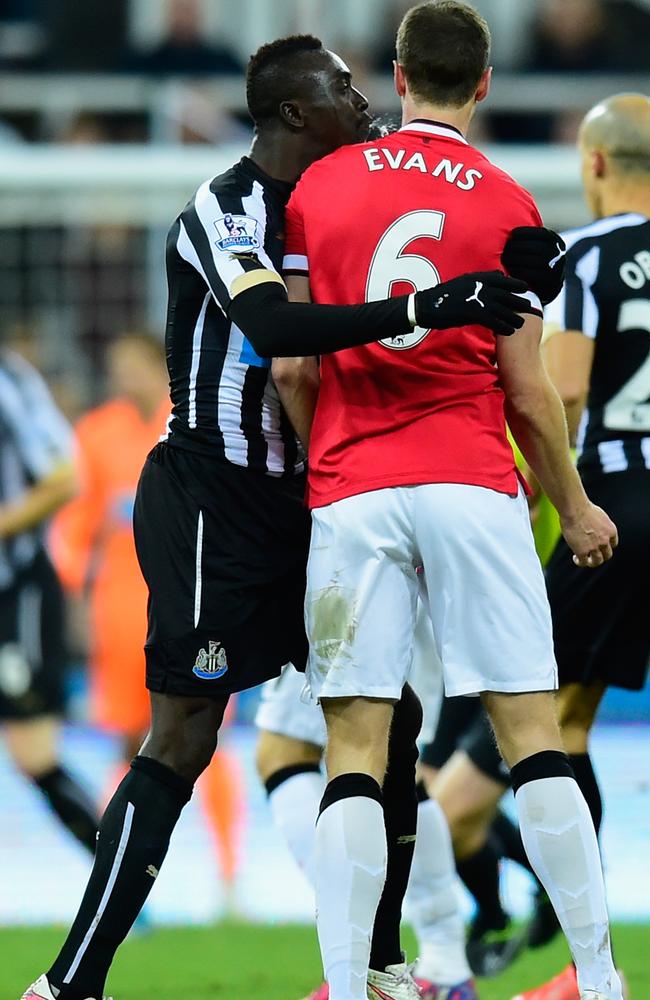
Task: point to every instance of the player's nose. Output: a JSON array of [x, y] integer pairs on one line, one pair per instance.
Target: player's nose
[[360, 100]]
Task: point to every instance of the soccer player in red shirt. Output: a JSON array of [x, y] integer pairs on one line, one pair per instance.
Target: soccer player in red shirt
[[410, 465]]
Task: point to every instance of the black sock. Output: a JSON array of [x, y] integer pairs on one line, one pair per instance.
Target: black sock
[[506, 838], [480, 873], [72, 805], [400, 815], [133, 840], [285, 773], [588, 784]]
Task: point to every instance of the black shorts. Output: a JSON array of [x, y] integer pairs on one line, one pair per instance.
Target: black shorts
[[33, 654], [464, 725], [223, 551], [601, 619]]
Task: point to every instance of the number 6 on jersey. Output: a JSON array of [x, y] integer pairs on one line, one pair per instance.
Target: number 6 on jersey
[[391, 264]]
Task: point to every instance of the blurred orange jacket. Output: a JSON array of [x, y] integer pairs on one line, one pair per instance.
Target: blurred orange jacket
[[93, 547]]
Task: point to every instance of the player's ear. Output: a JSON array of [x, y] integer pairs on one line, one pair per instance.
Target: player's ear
[[598, 163], [484, 83], [291, 114], [400, 79]]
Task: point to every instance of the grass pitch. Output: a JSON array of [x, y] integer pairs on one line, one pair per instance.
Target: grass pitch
[[233, 961]]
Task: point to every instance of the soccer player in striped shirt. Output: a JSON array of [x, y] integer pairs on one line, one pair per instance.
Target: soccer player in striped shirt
[[220, 525]]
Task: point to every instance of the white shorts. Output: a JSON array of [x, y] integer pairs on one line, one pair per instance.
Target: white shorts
[[285, 710], [490, 614]]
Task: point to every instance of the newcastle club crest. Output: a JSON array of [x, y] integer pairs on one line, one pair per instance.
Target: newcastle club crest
[[211, 665]]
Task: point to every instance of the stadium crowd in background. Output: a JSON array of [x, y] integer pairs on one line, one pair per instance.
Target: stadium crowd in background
[[197, 40]]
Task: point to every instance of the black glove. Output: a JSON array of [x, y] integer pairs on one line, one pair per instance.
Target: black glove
[[484, 298], [537, 256]]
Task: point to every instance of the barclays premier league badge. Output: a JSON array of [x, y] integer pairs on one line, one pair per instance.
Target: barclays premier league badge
[[237, 234], [211, 664]]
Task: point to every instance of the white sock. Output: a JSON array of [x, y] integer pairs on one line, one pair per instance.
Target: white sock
[[294, 805], [350, 875], [434, 903], [560, 841]]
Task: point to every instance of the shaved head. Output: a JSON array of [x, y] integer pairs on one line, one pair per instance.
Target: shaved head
[[619, 128]]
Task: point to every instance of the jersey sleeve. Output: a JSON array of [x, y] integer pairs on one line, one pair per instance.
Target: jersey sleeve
[[42, 435], [296, 260], [575, 307], [224, 245], [528, 214]]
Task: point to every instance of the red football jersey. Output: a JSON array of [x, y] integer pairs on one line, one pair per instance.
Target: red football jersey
[[386, 218]]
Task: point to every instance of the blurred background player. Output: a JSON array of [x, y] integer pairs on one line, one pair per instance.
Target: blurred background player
[[36, 478], [95, 554], [599, 356]]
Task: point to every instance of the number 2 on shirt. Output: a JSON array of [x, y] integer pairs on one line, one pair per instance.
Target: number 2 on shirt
[[629, 409]]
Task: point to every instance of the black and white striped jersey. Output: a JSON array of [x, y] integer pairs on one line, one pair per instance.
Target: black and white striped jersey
[[224, 402], [34, 439], [607, 298]]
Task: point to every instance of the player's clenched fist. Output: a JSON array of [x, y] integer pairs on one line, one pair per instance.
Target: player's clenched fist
[[591, 535], [485, 298]]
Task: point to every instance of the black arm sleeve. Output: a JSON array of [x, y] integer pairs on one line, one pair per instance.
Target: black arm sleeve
[[278, 328]]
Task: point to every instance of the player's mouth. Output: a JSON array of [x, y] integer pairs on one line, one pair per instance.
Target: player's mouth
[[363, 126]]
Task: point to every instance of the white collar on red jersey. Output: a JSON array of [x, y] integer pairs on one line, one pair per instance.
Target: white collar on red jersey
[[434, 128]]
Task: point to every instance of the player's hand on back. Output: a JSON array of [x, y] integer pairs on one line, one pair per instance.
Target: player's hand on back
[[538, 257], [591, 535], [484, 298]]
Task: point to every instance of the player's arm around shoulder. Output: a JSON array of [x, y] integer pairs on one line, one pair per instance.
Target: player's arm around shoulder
[[535, 415], [297, 379]]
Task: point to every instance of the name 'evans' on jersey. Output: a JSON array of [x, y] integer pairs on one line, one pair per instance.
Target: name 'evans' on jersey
[[463, 177], [224, 402]]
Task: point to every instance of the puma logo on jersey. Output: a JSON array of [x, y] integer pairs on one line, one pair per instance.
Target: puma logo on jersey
[[556, 260], [474, 297], [247, 255]]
